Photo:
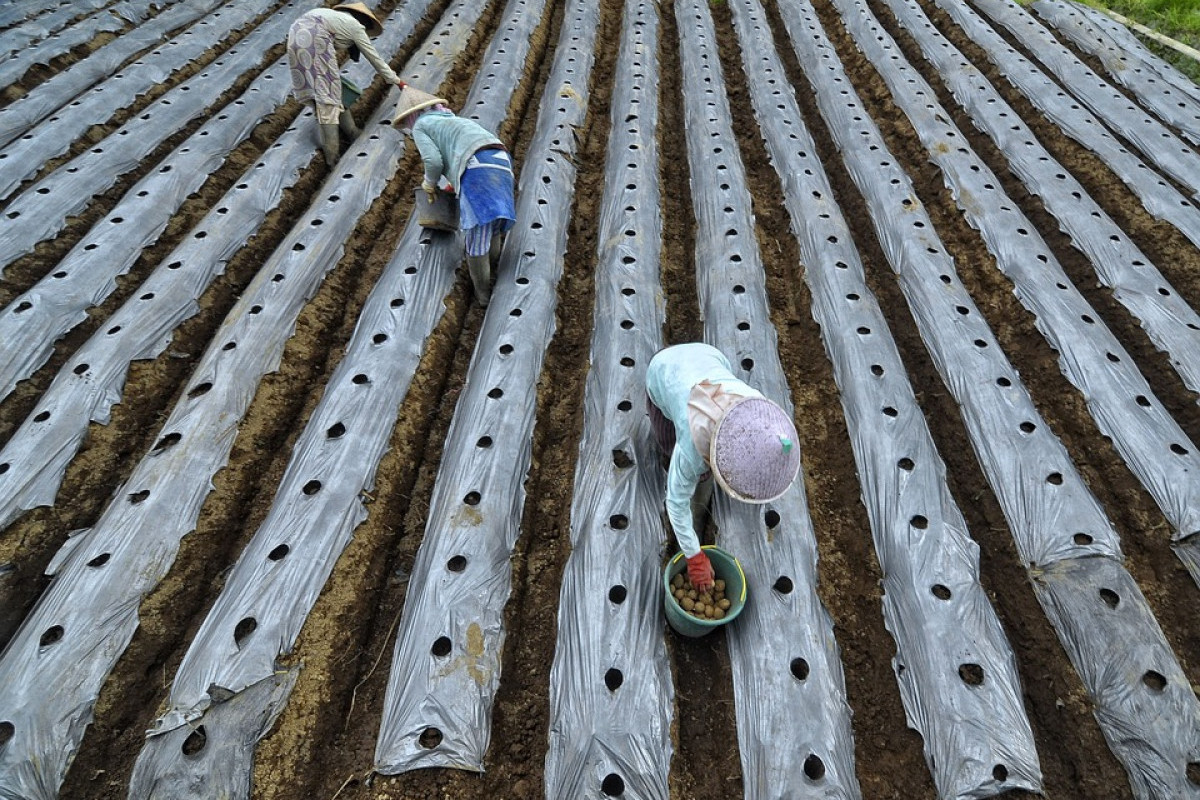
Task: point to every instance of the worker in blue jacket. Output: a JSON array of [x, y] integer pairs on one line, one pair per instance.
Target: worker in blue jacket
[[475, 165]]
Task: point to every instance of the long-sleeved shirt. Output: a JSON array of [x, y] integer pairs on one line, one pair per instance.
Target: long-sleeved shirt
[[346, 31], [693, 385], [446, 143]]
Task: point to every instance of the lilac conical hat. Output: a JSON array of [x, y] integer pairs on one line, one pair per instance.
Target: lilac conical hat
[[755, 454]]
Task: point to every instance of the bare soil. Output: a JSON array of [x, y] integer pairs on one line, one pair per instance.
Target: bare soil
[[323, 743]]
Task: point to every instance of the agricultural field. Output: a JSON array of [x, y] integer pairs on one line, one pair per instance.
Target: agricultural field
[[285, 513]]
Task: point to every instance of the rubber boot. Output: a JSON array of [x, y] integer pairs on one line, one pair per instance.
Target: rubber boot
[[481, 277], [347, 126], [330, 145]]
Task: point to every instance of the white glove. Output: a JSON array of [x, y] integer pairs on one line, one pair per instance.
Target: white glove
[[429, 189]]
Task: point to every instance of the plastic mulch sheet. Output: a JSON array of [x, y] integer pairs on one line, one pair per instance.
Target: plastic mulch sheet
[[78, 109], [446, 663], [319, 503], [20, 37], [47, 50], [1159, 144], [1152, 444], [1115, 37], [52, 670], [41, 210], [611, 690], [1062, 536], [1172, 105], [35, 319], [784, 659], [955, 667], [1159, 197], [1170, 322], [91, 380]]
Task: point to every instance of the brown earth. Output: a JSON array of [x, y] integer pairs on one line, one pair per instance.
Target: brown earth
[[323, 744]]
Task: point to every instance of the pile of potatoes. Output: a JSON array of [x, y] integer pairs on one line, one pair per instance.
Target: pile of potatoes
[[711, 605]]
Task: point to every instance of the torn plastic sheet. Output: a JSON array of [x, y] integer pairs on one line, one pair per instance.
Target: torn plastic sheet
[[1062, 535], [1122, 41], [1168, 320], [78, 109], [955, 668], [1158, 143], [1171, 105], [617, 741], [1152, 444], [774, 543], [1159, 198], [89, 611], [319, 502], [92, 379], [33, 321], [41, 210], [462, 574]]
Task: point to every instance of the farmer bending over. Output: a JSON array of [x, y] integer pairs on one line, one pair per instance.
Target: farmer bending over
[[314, 41], [713, 424], [476, 166]]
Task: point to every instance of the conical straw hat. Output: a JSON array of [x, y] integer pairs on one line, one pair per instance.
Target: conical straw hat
[[411, 100], [754, 455], [362, 14]]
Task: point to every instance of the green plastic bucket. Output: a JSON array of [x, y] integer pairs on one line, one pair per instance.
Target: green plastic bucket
[[350, 92], [725, 567]]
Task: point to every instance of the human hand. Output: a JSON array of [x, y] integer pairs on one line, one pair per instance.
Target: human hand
[[429, 189], [700, 571]]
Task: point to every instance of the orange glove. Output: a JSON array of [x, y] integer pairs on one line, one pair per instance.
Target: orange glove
[[700, 571]]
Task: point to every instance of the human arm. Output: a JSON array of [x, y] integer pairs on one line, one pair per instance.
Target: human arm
[[431, 156], [349, 30]]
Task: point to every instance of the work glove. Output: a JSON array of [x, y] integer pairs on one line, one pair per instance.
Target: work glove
[[429, 189], [700, 572]]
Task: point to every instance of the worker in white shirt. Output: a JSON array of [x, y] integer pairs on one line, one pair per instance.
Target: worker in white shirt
[[714, 425], [314, 43]]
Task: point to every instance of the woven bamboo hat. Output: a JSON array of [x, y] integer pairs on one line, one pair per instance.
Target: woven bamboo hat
[[753, 454], [364, 15], [412, 99]]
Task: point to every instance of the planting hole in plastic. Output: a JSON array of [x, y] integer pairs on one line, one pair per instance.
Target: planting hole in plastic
[[799, 669], [279, 552], [783, 584], [430, 738], [1154, 680], [100, 560], [614, 786], [52, 635], [617, 594], [457, 563], [940, 592], [613, 679], [244, 628], [814, 767], [441, 647], [195, 742], [971, 674], [1110, 598]]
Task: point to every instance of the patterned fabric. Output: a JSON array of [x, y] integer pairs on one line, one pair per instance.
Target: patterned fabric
[[485, 199], [313, 60]]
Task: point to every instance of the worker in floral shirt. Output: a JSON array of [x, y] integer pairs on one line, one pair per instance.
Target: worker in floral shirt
[[314, 43]]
